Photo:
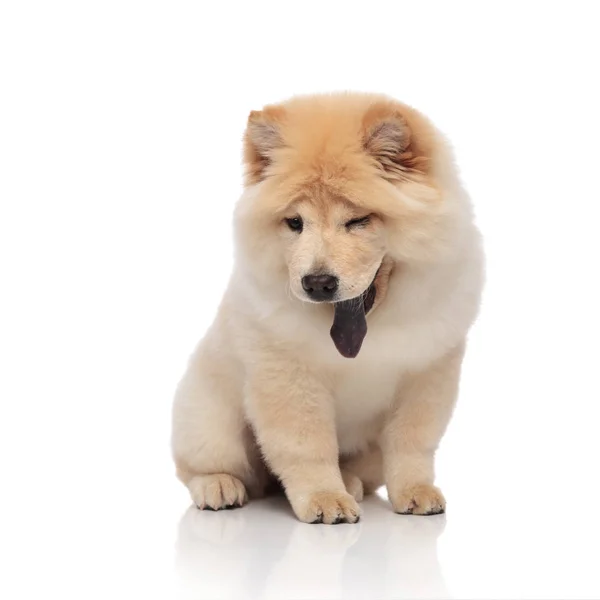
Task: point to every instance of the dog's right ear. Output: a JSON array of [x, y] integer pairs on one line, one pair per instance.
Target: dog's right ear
[[261, 140]]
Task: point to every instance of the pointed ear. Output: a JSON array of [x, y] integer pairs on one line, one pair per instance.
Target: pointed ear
[[262, 138], [389, 140]]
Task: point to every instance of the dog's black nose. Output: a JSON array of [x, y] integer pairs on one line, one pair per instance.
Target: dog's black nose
[[320, 287]]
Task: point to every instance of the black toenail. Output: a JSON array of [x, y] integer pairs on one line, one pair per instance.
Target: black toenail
[[439, 511]]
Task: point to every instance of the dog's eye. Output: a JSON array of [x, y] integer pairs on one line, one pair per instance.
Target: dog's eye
[[295, 224], [361, 222]]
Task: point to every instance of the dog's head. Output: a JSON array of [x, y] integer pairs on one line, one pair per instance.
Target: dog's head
[[338, 188]]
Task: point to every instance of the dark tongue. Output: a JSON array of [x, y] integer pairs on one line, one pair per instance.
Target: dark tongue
[[350, 324]]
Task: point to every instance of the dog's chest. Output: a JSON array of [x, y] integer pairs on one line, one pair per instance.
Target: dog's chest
[[362, 395]]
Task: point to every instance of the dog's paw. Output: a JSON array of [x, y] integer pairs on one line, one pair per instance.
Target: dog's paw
[[327, 507], [422, 499], [354, 486], [218, 491]]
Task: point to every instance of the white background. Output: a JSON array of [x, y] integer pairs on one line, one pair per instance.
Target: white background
[[120, 129]]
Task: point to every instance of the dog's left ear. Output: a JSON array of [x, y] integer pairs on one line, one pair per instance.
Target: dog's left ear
[[389, 139], [261, 140]]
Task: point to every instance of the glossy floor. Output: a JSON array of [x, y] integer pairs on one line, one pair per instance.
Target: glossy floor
[[104, 541], [274, 556], [483, 551]]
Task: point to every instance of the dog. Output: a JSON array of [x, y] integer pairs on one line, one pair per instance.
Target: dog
[[333, 364]]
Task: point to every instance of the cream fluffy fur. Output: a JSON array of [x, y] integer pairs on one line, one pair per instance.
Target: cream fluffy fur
[[266, 394]]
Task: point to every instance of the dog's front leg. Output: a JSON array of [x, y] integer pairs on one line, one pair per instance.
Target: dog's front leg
[[413, 431], [293, 417]]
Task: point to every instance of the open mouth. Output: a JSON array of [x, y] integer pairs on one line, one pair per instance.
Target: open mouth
[[350, 323]]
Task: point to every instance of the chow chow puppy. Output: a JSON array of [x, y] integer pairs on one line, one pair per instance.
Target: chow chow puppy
[[333, 364]]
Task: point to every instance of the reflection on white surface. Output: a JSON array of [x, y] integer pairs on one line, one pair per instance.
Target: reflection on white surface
[[262, 551]]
